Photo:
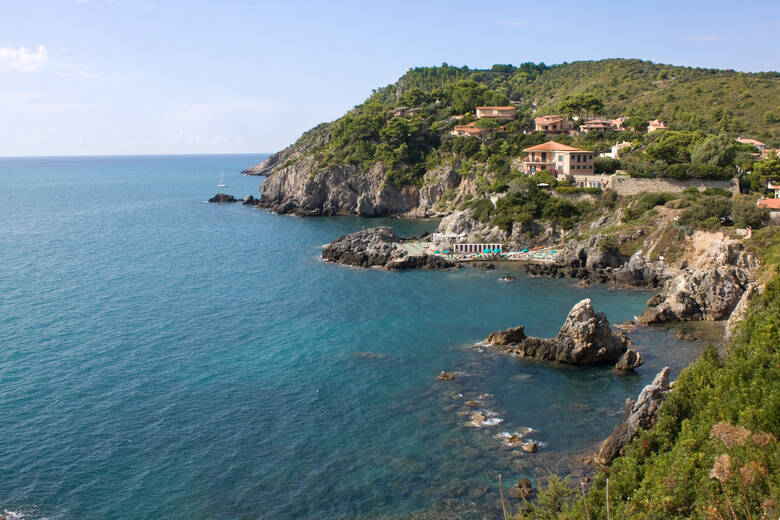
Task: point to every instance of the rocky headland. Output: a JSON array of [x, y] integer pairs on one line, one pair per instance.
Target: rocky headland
[[585, 338], [379, 247]]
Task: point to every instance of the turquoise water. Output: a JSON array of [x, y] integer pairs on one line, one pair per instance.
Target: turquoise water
[[165, 358]]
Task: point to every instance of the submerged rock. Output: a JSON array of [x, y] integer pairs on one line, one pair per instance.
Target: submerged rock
[[585, 338], [444, 376], [522, 489], [220, 198], [638, 414]]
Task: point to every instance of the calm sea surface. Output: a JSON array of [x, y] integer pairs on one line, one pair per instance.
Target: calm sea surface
[[165, 358]]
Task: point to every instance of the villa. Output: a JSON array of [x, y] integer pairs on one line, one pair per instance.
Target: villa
[[758, 144], [774, 188], [500, 112], [656, 124], [561, 159], [597, 125], [615, 150], [470, 130], [774, 209], [552, 124]]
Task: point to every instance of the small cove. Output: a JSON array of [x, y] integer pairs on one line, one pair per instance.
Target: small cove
[[172, 359]]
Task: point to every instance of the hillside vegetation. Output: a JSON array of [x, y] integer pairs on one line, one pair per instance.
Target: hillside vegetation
[[713, 452], [704, 108]]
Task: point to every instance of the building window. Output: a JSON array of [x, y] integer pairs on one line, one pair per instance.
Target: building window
[[544, 156]]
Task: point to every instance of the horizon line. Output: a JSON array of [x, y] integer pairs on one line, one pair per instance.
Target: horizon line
[[85, 156]]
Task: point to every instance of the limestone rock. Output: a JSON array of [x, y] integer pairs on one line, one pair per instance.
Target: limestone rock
[[708, 290], [629, 360], [638, 414], [250, 200], [379, 246], [585, 338], [510, 336]]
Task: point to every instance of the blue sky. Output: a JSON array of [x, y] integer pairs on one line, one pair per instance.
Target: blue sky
[[194, 76]]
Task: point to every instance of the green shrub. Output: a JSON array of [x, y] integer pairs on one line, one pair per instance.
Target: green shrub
[[481, 209]]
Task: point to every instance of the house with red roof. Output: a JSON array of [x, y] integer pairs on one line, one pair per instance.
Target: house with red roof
[[753, 142], [656, 124], [470, 130], [598, 125], [773, 205], [497, 112], [561, 159], [552, 124]]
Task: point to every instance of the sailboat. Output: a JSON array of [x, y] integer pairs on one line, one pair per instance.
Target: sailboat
[[222, 181]]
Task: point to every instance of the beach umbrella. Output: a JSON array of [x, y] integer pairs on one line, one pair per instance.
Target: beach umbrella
[[486, 250], [436, 252], [446, 252], [496, 250], [524, 250]]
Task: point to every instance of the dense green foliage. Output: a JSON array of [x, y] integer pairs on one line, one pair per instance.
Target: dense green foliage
[[704, 108], [713, 452]]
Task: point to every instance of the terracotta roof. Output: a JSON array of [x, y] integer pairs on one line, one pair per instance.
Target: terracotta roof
[[510, 107], [772, 186], [750, 141], [770, 203], [552, 146], [550, 118]]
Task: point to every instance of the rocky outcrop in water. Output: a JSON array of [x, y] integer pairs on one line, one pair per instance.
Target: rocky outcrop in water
[[639, 414], [708, 290], [221, 198], [379, 247], [585, 338], [250, 200]]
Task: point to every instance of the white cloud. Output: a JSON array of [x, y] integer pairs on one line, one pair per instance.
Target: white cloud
[[23, 59]]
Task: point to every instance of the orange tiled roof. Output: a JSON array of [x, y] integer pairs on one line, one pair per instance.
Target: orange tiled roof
[[769, 203], [551, 118], [750, 141], [510, 107], [552, 146]]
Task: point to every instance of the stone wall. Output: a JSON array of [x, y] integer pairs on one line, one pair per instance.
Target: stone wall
[[632, 186]]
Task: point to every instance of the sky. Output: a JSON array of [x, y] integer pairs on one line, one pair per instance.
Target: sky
[[99, 77]]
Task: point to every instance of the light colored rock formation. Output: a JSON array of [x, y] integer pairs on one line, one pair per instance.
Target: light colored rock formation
[[709, 289], [585, 338], [638, 414]]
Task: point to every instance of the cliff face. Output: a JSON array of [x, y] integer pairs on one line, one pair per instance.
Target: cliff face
[[709, 289], [302, 189]]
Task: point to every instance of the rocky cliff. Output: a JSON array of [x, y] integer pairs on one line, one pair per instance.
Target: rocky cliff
[[639, 414], [710, 289], [301, 188], [585, 338]]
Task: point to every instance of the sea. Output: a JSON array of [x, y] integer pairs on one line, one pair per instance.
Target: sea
[[166, 358]]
